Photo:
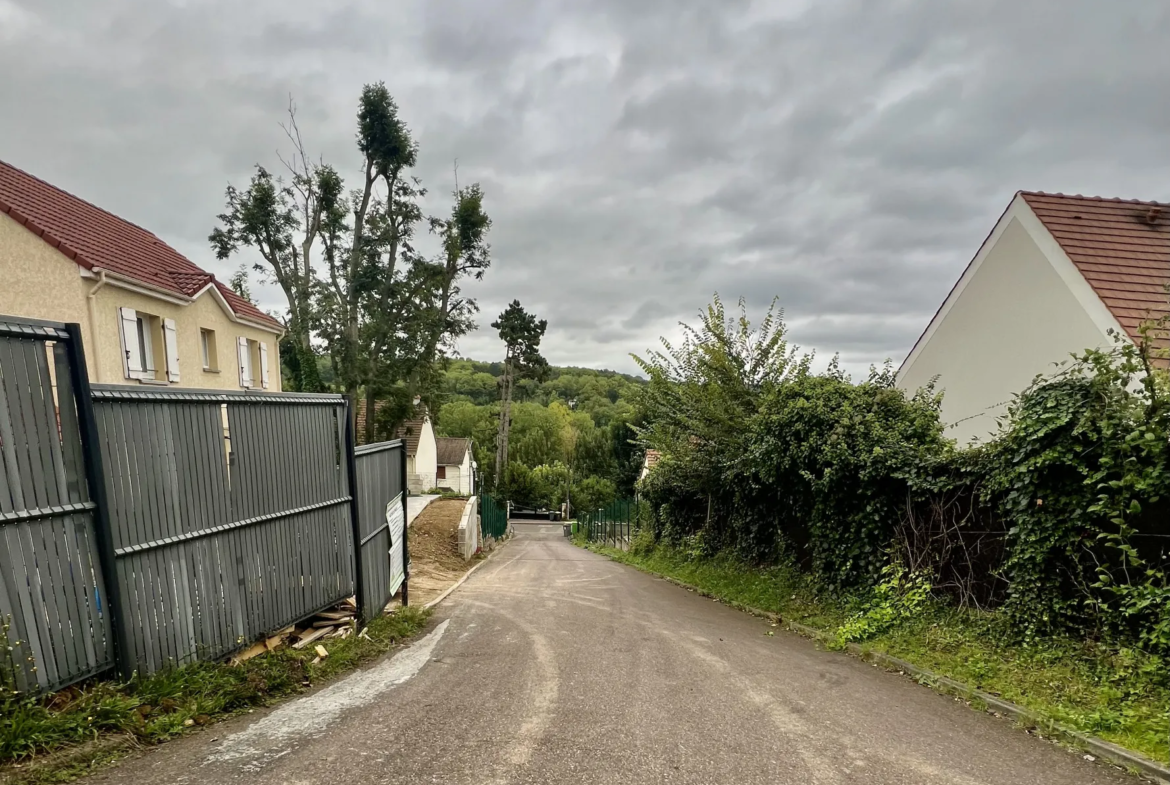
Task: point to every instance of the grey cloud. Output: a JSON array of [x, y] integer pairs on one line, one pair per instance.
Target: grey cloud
[[846, 156]]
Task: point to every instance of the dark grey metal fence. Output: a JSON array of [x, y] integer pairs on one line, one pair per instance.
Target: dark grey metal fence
[[229, 516], [381, 517], [147, 528], [51, 595]]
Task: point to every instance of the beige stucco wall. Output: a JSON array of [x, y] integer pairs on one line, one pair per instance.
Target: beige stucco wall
[[37, 280], [202, 313], [41, 283], [1015, 318]]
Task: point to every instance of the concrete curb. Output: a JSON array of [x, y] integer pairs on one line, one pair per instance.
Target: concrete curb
[[461, 581], [1091, 744]]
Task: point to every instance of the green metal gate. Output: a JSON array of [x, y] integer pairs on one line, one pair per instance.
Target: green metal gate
[[493, 518]]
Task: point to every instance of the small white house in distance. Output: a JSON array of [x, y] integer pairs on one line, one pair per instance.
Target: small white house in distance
[[454, 465], [1055, 275], [421, 453], [649, 461]]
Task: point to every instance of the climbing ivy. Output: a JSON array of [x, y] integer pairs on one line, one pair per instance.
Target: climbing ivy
[[769, 460]]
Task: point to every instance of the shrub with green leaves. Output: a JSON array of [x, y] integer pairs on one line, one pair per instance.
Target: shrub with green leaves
[[764, 459]]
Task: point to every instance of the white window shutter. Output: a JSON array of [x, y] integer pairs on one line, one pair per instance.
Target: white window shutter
[[131, 353], [264, 365], [245, 362], [171, 341]]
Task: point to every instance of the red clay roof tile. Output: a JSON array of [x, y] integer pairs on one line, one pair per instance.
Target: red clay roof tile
[[1120, 246], [93, 237]]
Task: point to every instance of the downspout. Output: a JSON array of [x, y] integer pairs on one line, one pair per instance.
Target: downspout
[[94, 343]]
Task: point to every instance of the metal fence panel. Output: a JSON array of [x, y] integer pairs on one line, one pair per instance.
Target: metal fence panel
[[228, 516], [51, 589], [381, 509], [493, 519]]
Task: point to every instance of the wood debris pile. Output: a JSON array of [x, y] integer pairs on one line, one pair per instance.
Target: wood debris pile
[[340, 621]]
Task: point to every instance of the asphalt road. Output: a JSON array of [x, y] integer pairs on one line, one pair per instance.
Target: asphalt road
[[554, 665]]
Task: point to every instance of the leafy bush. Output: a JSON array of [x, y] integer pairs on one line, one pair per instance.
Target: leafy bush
[[766, 460], [900, 596]]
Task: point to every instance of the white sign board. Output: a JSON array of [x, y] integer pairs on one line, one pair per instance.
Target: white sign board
[[396, 518]]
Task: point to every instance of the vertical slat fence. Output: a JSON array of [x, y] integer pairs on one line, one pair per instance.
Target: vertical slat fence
[[52, 607], [147, 528], [381, 509], [229, 516]]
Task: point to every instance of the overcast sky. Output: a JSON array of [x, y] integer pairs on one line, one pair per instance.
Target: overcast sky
[[845, 156]]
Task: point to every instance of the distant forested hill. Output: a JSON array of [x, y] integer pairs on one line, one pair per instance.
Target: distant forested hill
[[575, 421]]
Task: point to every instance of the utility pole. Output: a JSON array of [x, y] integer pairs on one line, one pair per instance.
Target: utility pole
[[572, 453]]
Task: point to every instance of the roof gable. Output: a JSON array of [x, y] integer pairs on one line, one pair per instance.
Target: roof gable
[[1115, 258], [95, 238], [410, 432], [1120, 247], [451, 450]]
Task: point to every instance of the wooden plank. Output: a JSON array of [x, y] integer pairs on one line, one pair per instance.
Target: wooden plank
[[254, 650], [316, 634]]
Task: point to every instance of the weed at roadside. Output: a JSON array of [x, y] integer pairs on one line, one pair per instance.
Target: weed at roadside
[[166, 704]]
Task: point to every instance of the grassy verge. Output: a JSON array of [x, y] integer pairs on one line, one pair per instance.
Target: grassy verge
[[50, 738], [1119, 695]]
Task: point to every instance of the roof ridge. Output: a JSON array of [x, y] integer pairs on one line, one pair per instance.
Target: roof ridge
[[1089, 198]]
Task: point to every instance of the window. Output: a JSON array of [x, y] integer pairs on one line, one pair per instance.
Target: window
[[150, 346], [210, 352], [441, 472], [252, 357]]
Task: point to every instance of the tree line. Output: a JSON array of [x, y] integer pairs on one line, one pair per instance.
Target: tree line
[[571, 431]]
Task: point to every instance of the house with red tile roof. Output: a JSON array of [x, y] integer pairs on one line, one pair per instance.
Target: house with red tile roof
[[1057, 275], [148, 314]]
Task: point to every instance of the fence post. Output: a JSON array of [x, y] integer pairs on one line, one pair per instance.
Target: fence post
[[405, 528], [354, 514], [95, 478]]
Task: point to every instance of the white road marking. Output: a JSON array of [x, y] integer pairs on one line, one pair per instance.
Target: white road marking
[[263, 740]]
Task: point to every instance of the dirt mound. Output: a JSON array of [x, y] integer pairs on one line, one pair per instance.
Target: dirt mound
[[435, 562]]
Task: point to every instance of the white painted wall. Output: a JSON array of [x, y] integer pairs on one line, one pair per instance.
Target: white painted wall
[[458, 477], [426, 459], [1017, 313], [469, 529]]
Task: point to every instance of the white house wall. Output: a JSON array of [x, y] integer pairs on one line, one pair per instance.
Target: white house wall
[[426, 459], [1014, 317]]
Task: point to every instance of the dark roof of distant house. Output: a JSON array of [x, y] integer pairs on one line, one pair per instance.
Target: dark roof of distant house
[[95, 238], [1121, 247], [411, 433], [451, 450]]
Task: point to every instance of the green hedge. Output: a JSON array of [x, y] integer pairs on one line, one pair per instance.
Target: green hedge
[[766, 459]]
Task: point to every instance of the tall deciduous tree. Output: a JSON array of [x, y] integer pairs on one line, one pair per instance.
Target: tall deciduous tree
[[282, 221], [466, 252], [521, 333]]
